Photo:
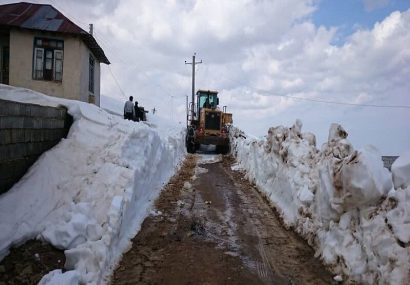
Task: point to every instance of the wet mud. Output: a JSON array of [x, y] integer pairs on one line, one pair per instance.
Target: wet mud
[[219, 231], [28, 263]]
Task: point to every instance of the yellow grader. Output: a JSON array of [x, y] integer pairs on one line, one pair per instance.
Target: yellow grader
[[208, 124]]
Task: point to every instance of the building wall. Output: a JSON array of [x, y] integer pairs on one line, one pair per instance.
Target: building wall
[[26, 131], [97, 83], [84, 73], [75, 66], [84, 80]]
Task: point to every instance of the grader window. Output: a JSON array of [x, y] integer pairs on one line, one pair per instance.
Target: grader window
[[206, 99]]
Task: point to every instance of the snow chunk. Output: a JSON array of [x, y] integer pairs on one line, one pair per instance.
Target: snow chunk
[[236, 167], [336, 133], [296, 129], [305, 195], [399, 216], [155, 213], [337, 145], [310, 138], [180, 203], [364, 180], [57, 277], [187, 185], [200, 170], [77, 230]]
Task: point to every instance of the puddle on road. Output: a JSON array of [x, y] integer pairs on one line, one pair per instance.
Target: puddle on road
[[209, 158], [207, 155]]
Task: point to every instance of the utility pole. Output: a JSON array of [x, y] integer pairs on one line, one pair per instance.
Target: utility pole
[[187, 109], [193, 83]]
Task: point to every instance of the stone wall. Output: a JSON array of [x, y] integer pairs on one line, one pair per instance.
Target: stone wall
[[26, 131]]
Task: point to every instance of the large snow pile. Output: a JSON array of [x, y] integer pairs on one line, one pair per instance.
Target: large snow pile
[[90, 193], [340, 199]]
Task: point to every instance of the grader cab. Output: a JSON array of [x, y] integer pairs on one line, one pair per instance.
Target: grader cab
[[209, 124]]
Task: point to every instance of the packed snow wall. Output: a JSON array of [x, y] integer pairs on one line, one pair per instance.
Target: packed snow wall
[[89, 194], [352, 210]]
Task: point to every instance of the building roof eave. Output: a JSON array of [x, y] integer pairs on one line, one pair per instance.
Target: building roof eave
[[46, 18], [92, 44]]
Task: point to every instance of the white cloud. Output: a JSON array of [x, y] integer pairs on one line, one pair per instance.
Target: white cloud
[[253, 52]]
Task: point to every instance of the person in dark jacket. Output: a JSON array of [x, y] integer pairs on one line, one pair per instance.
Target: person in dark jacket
[[206, 104], [137, 112], [129, 111]]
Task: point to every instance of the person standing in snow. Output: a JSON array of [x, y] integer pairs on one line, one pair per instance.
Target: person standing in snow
[[137, 112], [129, 111]]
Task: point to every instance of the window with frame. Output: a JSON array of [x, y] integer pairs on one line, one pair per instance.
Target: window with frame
[[48, 59], [91, 74]]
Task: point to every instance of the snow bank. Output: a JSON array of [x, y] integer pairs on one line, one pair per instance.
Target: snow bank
[[401, 171], [341, 200], [90, 193]]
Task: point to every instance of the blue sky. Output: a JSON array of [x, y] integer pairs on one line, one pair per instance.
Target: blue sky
[[350, 15]]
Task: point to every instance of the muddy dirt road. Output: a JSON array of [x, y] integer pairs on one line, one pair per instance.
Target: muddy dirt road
[[216, 229]]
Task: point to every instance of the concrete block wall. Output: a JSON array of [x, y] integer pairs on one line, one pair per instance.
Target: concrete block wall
[[26, 131]]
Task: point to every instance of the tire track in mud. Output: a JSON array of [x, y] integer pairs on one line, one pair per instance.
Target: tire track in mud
[[219, 231], [289, 258]]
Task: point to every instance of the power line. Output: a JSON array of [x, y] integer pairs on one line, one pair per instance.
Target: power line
[[116, 82], [117, 54], [326, 101], [113, 50]]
